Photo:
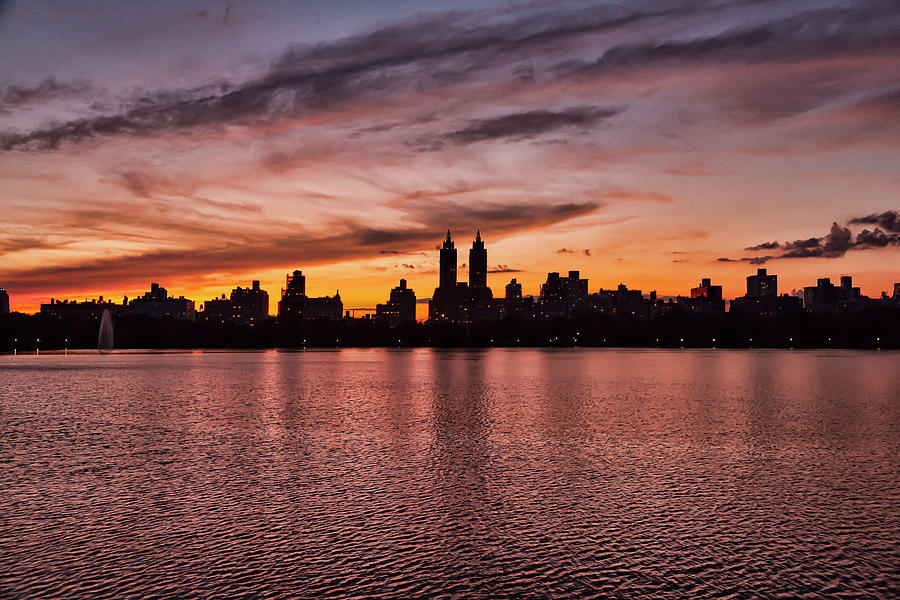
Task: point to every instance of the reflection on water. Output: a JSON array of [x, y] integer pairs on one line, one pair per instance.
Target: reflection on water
[[489, 473]]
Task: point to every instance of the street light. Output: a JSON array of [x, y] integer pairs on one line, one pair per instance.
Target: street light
[[15, 343], [37, 346], [66, 347]]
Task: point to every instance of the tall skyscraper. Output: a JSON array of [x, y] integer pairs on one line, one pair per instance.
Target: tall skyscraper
[[448, 264], [4, 302], [478, 263]]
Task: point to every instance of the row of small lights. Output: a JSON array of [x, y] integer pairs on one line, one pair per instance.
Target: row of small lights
[[551, 340], [37, 343]]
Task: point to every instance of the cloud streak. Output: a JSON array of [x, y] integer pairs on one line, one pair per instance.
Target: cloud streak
[[266, 250], [524, 125]]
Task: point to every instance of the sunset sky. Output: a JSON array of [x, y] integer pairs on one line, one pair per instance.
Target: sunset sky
[[205, 144]]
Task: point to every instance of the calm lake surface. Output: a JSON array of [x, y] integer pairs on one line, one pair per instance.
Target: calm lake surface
[[488, 473]]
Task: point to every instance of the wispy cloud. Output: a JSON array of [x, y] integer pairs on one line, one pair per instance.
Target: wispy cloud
[[279, 249], [504, 269], [447, 50], [16, 96]]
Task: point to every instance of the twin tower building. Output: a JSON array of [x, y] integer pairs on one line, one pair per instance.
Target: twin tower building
[[457, 301]]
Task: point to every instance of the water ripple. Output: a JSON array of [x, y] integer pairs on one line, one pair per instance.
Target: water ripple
[[451, 474]]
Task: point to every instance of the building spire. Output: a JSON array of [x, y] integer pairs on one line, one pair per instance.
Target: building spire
[[478, 235], [448, 235]]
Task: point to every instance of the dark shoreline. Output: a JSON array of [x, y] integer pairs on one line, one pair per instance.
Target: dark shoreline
[[166, 351], [872, 328]]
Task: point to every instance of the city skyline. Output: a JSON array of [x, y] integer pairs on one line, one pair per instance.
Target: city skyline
[[662, 142], [471, 293]]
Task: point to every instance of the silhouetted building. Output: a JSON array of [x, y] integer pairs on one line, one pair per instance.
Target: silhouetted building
[[478, 263], [704, 298], [658, 307], [513, 289], [766, 306], [707, 290], [217, 311], [631, 303], [400, 308], [514, 305], [89, 310], [295, 306], [620, 301], [826, 297], [247, 307], [564, 296], [447, 280], [762, 284], [603, 302], [293, 299], [250, 305], [4, 302], [324, 307], [762, 299], [158, 305], [458, 302], [896, 295]]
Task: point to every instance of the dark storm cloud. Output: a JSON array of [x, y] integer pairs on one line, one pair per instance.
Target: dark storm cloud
[[835, 244], [420, 54]]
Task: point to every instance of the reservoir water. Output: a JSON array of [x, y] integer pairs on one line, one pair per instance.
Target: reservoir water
[[495, 473]]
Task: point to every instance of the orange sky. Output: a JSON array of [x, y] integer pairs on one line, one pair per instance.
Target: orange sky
[[639, 145]]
